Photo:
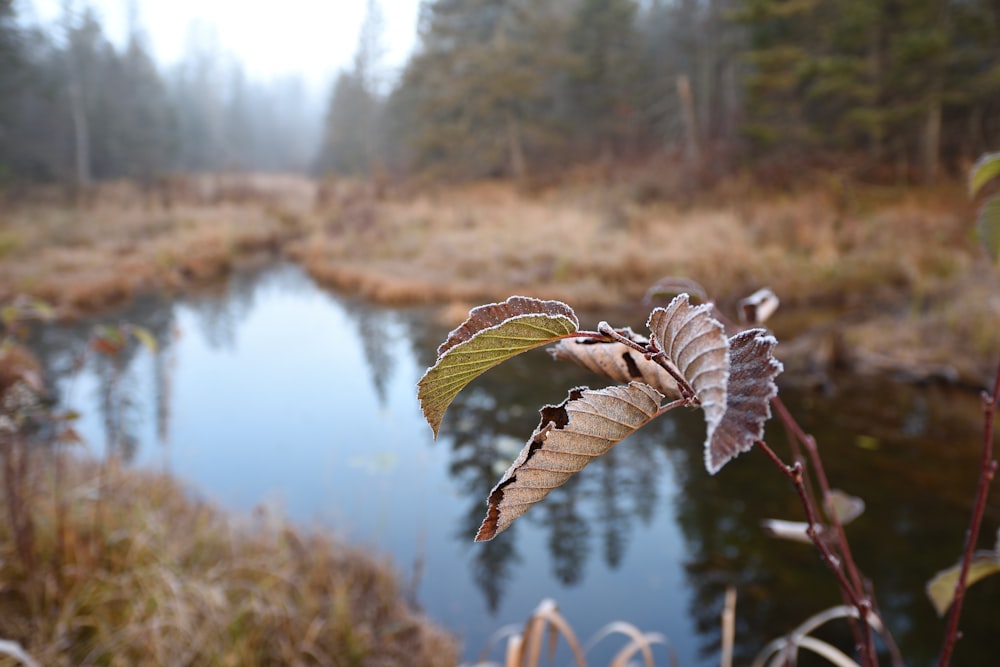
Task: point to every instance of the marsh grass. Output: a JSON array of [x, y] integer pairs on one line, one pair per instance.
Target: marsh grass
[[91, 256], [904, 258], [163, 579], [487, 240]]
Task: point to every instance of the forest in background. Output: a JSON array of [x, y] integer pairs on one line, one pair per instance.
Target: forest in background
[[897, 91], [77, 108], [890, 90]]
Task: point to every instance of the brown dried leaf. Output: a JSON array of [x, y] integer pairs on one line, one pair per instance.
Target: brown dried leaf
[[695, 343], [758, 307], [570, 435], [845, 507], [751, 387], [616, 361]]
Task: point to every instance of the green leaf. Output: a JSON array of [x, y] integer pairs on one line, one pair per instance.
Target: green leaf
[[144, 336], [989, 227], [941, 589], [985, 170], [492, 334], [8, 314]]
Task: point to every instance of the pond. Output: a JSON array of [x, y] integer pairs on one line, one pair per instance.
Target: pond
[[270, 391]]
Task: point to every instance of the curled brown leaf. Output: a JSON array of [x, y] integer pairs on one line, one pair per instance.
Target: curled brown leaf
[[569, 435], [616, 361]]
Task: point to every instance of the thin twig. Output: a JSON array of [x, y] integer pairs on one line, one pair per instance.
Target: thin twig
[[856, 597], [671, 405], [652, 352], [797, 435], [987, 470]]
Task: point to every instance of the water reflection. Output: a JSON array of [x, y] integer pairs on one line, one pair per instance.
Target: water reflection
[[270, 387]]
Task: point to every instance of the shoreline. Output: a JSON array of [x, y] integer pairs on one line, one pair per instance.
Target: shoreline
[[890, 287]]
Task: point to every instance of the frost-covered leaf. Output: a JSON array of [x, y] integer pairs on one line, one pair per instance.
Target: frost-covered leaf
[[493, 333], [941, 589], [748, 399], [673, 286], [616, 361], [844, 506], [988, 227], [758, 307], [695, 343], [985, 170], [847, 508], [569, 435]]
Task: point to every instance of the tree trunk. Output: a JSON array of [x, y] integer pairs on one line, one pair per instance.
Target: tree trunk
[[81, 137], [518, 167], [692, 150], [931, 141]]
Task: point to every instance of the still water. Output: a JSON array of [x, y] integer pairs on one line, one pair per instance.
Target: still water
[[270, 391]]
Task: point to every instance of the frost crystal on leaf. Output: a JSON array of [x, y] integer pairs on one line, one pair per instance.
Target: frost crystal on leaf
[[748, 404]]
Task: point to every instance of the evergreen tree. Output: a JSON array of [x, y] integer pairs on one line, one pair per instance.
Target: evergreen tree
[[605, 80], [355, 106]]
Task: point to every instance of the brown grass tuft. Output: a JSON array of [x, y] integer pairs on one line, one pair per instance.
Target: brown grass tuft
[[161, 579]]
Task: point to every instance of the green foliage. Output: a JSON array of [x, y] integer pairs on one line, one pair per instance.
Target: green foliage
[[894, 80], [350, 126], [985, 171], [491, 335], [941, 589]]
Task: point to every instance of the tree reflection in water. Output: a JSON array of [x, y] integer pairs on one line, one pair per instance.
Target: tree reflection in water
[[65, 352], [910, 452], [486, 426]]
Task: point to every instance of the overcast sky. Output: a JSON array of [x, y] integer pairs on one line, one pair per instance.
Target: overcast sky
[[312, 37]]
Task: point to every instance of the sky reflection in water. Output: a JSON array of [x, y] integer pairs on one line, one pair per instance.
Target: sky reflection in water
[[273, 392]]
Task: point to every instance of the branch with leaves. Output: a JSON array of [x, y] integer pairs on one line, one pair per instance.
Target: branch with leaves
[[688, 360], [688, 357]]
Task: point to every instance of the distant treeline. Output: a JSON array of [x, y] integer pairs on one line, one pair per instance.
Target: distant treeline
[[888, 89], [74, 107]]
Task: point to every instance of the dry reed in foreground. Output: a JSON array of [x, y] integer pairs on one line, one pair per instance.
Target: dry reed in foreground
[[151, 577]]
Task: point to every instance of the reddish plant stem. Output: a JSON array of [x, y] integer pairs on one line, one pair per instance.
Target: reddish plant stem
[[671, 405], [651, 351], [855, 596], [987, 471], [838, 527], [798, 435]]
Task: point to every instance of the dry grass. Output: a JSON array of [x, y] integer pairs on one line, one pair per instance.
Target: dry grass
[[597, 249], [876, 254], [121, 241], [153, 578], [904, 263]]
